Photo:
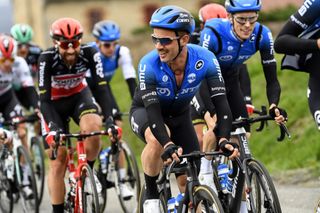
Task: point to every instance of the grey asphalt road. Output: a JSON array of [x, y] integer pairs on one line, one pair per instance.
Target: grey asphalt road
[[294, 198]]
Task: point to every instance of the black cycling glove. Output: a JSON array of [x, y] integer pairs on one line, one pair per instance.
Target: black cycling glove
[[168, 151], [222, 146], [282, 112]]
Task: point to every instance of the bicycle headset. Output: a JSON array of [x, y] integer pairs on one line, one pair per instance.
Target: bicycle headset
[[22, 33], [106, 31], [236, 6], [66, 29]]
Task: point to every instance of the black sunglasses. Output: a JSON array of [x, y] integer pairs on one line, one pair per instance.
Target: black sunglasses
[[164, 40]]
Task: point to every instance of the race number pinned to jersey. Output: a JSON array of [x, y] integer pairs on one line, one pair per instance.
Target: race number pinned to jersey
[[199, 64]]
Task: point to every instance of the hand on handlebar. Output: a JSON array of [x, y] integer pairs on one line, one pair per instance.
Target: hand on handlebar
[[51, 136], [279, 115], [6, 136], [230, 149], [171, 152]]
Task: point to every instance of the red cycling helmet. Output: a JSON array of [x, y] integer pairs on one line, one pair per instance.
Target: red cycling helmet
[[212, 10], [7, 47], [66, 29]]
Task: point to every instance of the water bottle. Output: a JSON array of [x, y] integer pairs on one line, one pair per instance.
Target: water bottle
[[104, 157], [179, 199], [223, 172], [9, 165], [171, 205], [229, 182], [110, 175]]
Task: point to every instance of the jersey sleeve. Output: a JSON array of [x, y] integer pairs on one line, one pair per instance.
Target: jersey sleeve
[[306, 15], [23, 74], [125, 61], [209, 40]]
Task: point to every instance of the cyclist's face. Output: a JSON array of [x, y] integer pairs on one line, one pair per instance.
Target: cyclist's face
[[107, 48], [6, 64], [166, 42], [23, 50], [69, 50], [243, 23]]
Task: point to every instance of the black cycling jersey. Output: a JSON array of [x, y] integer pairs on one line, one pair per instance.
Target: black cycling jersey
[[58, 81], [32, 58]]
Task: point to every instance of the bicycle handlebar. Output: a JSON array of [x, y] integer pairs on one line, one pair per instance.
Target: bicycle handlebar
[[262, 118], [18, 120]]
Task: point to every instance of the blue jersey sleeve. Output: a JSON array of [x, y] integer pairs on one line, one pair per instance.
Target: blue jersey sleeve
[[266, 46], [209, 40]]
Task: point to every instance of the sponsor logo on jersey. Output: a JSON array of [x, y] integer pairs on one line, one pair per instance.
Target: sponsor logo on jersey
[[165, 78], [142, 73], [99, 68], [188, 90], [317, 117], [252, 37], [206, 40], [199, 64], [41, 73], [191, 78], [163, 91], [244, 57], [216, 63], [271, 43], [230, 48], [226, 57], [67, 81], [306, 5]]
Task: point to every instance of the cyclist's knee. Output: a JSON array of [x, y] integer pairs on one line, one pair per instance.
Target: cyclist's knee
[[90, 122]]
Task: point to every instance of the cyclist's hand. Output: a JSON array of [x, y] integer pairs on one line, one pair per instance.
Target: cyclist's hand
[[6, 136], [115, 133], [279, 115], [54, 130], [229, 148], [171, 152]]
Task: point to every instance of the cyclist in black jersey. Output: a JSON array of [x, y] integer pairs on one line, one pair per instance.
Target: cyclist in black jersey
[[302, 30], [169, 76], [64, 94]]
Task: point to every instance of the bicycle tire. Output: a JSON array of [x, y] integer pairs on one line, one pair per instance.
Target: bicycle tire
[[90, 199], [263, 191], [37, 159], [132, 179], [28, 204], [6, 197], [204, 198]]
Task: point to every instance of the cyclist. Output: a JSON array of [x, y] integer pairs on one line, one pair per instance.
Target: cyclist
[[234, 40], [169, 77], [113, 55], [302, 30], [64, 93], [28, 50], [15, 71]]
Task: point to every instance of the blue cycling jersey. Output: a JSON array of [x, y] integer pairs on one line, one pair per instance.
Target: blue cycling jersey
[[157, 76], [219, 37], [308, 15], [110, 64]]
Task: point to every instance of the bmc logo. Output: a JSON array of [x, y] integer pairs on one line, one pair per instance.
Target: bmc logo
[[306, 5]]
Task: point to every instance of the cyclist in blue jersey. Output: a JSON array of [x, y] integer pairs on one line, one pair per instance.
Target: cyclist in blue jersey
[[113, 55], [302, 30], [235, 40], [169, 77]]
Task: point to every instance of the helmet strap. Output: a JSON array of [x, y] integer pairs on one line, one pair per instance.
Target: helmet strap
[[179, 46]]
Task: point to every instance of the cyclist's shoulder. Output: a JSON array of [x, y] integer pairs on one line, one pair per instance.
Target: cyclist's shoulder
[[34, 49], [197, 52]]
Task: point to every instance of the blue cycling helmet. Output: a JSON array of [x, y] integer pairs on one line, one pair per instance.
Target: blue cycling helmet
[[173, 18], [106, 31], [235, 6]]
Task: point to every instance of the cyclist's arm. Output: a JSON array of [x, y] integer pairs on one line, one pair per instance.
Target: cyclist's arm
[[292, 29], [129, 73], [269, 65], [218, 97], [44, 83], [103, 98]]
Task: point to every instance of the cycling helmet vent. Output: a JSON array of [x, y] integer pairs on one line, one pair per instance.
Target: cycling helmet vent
[[235, 6], [106, 31]]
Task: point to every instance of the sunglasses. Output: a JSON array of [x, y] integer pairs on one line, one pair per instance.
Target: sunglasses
[[243, 20], [163, 41], [3, 60], [108, 44], [67, 44], [25, 45]]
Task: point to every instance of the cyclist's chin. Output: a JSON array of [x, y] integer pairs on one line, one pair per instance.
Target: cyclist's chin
[[70, 58]]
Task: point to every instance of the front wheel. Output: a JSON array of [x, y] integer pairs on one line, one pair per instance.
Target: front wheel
[[88, 192], [37, 159], [263, 195], [205, 200], [128, 179]]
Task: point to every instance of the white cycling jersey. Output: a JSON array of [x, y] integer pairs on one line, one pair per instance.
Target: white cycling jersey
[[19, 76]]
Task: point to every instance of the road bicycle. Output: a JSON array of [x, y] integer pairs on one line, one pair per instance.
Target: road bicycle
[[260, 193], [22, 166], [196, 196], [37, 156], [82, 196], [110, 176]]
